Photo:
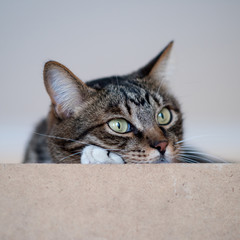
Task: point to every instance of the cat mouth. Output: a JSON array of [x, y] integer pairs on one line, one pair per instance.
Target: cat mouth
[[162, 159]]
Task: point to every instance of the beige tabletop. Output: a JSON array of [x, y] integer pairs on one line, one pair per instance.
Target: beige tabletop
[[105, 202]]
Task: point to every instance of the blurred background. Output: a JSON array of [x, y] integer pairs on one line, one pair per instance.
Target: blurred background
[[101, 38]]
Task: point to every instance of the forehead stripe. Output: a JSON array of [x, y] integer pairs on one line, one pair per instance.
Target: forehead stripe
[[125, 102]]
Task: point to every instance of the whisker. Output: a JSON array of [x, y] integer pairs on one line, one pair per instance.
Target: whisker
[[187, 160], [186, 147], [70, 156], [50, 136], [196, 157], [195, 137], [203, 154], [72, 140]]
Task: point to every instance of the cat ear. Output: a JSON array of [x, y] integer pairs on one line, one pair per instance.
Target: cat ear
[[157, 67], [65, 89]]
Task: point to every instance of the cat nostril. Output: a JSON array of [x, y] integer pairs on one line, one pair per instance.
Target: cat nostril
[[161, 146]]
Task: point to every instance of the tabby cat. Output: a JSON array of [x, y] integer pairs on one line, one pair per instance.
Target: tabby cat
[[121, 119]]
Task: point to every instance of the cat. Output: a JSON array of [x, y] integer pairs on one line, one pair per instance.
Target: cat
[[121, 119]]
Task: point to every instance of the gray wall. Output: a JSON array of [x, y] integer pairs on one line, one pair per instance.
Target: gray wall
[[100, 38]]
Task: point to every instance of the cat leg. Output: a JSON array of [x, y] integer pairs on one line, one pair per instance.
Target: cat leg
[[96, 155]]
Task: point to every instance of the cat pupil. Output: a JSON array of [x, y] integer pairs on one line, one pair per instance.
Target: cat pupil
[[118, 125]]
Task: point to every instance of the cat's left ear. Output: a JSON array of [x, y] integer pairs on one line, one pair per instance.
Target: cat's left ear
[[157, 67]]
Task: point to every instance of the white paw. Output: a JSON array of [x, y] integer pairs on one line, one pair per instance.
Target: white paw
[[96, 155]]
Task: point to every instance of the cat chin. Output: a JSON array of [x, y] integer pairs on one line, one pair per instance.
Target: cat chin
[[96, 155]]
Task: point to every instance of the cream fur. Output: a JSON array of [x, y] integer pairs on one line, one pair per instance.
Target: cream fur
[[96, 155]]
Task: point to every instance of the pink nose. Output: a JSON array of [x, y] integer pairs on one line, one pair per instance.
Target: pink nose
[[162, 145]]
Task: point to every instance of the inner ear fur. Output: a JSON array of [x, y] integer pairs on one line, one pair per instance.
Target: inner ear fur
[[66, 90]]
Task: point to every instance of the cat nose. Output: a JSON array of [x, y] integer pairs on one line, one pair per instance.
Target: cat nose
[[161, 146]]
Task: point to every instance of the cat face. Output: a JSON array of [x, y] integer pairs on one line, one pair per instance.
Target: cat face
[[120, 119]]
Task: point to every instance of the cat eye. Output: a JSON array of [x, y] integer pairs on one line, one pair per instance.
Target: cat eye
[[119, 125], [164, 117]]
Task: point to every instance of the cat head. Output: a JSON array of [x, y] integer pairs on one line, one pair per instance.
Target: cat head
[[134, 116]]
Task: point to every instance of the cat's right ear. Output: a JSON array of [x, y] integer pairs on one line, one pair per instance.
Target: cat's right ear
[[67, 92]]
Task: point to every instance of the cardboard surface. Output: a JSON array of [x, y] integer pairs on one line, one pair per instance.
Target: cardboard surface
[[98, 202]]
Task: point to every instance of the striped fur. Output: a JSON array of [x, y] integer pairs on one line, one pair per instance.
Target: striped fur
[[76, 129]]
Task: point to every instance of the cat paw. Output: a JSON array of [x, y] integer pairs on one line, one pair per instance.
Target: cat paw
[[96, 155]]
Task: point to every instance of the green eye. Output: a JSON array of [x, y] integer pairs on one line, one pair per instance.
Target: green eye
[[164, 117], [119, 125]]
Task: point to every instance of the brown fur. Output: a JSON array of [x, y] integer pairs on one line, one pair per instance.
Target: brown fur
[[76, 122]]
